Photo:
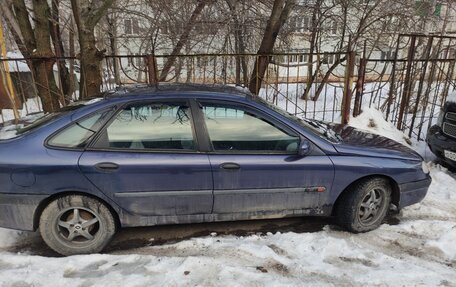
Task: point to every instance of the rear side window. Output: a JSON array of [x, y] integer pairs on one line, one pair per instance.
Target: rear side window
[[81, 132], [152, 126]]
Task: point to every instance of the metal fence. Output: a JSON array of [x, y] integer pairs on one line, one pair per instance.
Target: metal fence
[[410, 86]]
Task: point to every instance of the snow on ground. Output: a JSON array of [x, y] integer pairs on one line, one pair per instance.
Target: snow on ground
[[451, 98], [8, 237], [420, 250]]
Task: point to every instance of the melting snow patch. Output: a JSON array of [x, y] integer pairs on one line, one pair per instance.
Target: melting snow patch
[[7, 134], [446, 243], [93, 101], [372, 120], [451, 98], [8, 237]]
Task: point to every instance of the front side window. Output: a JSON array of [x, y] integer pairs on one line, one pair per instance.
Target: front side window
[[155, 126], [236, 129], [78, 134], [322, 129]]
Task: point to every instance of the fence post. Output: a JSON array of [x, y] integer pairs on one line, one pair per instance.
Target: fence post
[[421, 84], [348, 83], [152, 69], [393, 79], [407, 82], [360, 83]]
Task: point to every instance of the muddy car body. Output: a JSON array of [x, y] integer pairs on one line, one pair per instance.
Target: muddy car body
[[183, 154]]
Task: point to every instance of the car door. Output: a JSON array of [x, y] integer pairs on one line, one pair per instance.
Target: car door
[[255, 162], [146, 159]]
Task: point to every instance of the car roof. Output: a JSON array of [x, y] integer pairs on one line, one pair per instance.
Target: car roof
[[163, 90], [177, 89]]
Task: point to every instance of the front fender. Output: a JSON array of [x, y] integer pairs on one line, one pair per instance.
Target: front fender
[[349, 169]]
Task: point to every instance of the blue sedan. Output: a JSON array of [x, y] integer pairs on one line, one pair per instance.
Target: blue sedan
[[191, 153]]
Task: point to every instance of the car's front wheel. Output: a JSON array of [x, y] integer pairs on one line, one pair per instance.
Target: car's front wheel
[[364, 205], [77, 224]]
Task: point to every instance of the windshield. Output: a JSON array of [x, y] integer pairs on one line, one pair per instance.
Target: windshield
[[320, 128]]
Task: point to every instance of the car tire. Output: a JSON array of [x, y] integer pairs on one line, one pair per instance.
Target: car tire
[[77, 224], [364, 205]]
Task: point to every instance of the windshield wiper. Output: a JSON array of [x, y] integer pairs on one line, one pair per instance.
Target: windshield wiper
[[83, 127], [324, 129]]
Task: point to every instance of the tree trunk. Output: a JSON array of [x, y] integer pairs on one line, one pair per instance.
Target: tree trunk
[[241, 65], [279, 15], [237, 32], [87, 14], [34, 43], [60, 52], [44, 74], [313, 41], [46, 86], [183, 39], [22, 18], [91, 79], [326, 77], [73, 78], [113, 46], [242, 48]]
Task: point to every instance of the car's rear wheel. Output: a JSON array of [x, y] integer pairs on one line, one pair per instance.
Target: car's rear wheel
[[364, 205], [77, 224]]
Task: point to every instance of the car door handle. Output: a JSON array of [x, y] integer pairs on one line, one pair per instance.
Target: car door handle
[[107, 166], [230, 165]]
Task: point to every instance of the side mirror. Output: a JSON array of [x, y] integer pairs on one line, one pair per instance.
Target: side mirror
[[304, 148]]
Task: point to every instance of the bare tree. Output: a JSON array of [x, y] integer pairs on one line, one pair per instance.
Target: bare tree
[[370, 22], [279, 14], [56, 36], [32, 35], [183, 38], [241, 64], [314, 33]]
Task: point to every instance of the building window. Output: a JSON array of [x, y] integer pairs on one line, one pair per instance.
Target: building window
[[448, 54], [332, 27], [438, 9], [367, 2], [425, 8], [306, 23], [386, 55], [328, 59], [301, 23], [164, 28], [292, 23], [292, 58], [299, 58], [131, 26]]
